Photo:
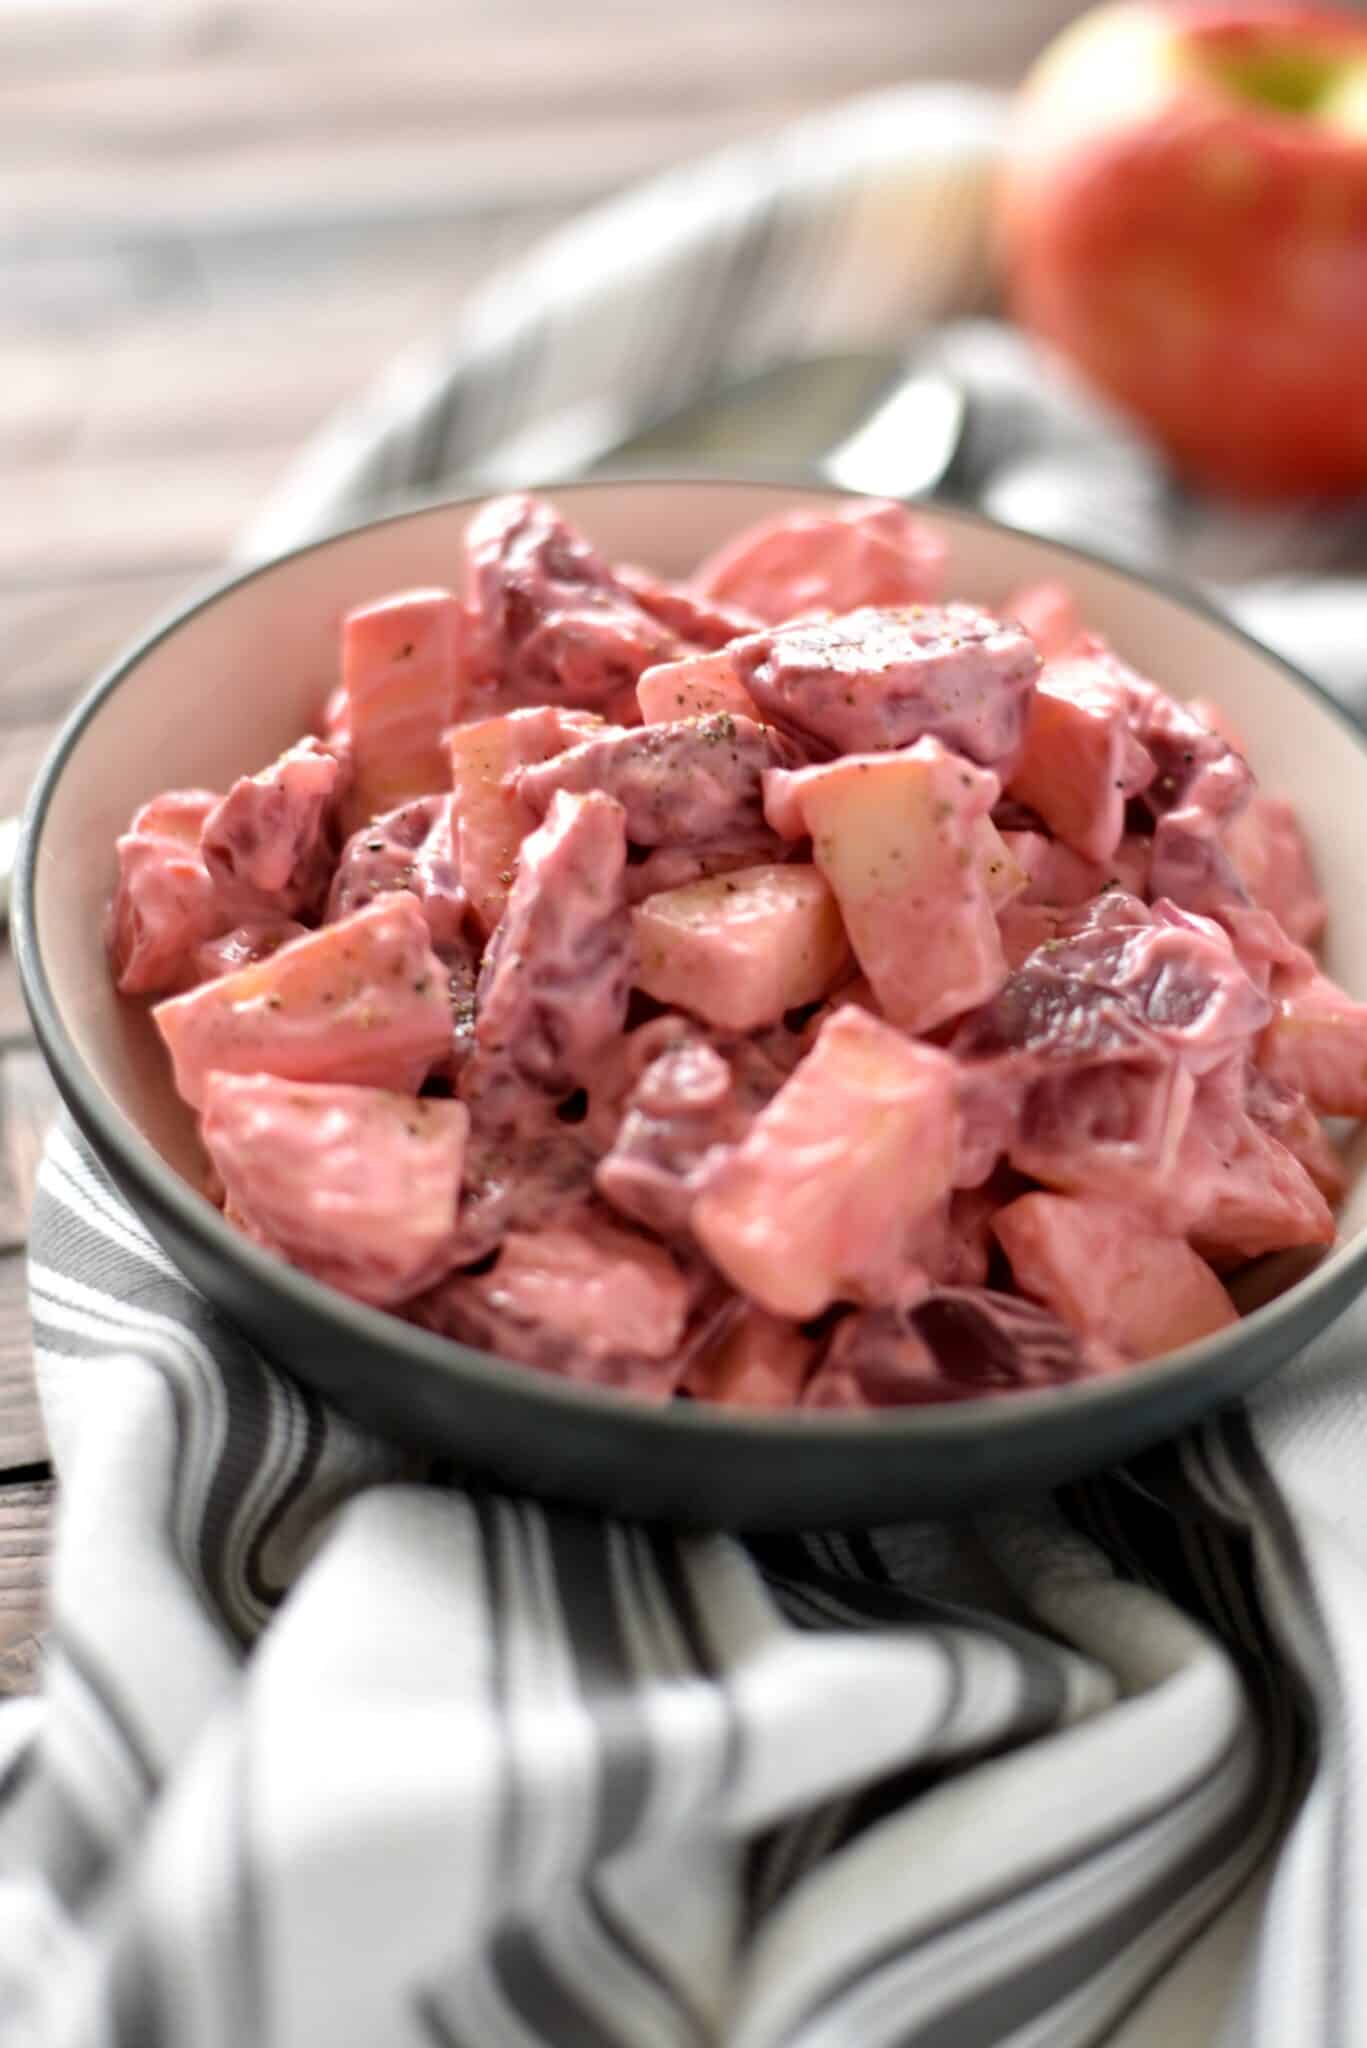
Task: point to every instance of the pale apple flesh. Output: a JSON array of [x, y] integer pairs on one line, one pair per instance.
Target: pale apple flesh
[[1184, 217]]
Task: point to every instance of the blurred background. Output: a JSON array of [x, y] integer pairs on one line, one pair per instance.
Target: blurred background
[[219, 218]]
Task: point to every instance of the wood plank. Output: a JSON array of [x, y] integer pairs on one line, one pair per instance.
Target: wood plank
[[26, 1517], [378, 178], [58, 638], [23, 1440], [126, 515], [14, 1024], [585, 65], [28, 1103]]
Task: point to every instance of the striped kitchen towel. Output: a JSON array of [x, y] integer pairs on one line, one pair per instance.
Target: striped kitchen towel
[[331, 1752]]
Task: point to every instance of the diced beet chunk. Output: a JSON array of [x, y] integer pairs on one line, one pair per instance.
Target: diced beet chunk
[[355, 1185], [1200, 785], [411, 848], [1105, 1032], [955, 1344], [677, 1119], [553, 989], [268, 843], [1237, 1191], [874, 680], [552, 623], [583, 1297], [689, 612], [873, 552], [164, 905], [690, 780], [664, 868]]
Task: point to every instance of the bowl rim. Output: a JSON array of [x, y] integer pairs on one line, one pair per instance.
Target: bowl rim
[[169, 1196]]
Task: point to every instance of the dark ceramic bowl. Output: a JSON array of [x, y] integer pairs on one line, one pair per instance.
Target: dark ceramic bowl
[[232, 678]]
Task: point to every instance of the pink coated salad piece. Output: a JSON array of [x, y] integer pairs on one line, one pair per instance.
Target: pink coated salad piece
[[412, 848], [357, 1186], [897, 838], [1080, 764], [552, 623], [1272, 860], [693, 688], [584, 1297], [679, 1119], [871, 680], [1316, 1043], [1049, 614], [683, 609], [818, 1201], [268, 843], [405, 675], [1236, 1191], [741, 948], [662, 868], [760, 1362], [552, 992], [952, 1345], [243, 945], [362, 1001], [164, 905], [680, 784], [869, 552], [1111, 1274], [491, 818]]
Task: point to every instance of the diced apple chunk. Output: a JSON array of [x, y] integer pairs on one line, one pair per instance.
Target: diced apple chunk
[[898, 837], [1003, 875], [1317, 1043], [693, 689], [1073, 767], [739, 949], [492, 819], [1108, 1274], [402, 675], [357, 1186], [1049, 614], [824, 1193], [364, 1000], [760, 1363]]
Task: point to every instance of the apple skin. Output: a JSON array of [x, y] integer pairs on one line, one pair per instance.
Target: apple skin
[[1200, 254]]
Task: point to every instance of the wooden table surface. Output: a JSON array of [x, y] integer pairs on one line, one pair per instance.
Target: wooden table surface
[[218, 218]]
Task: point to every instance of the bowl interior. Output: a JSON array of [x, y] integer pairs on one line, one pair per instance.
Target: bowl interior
[[220, 691]]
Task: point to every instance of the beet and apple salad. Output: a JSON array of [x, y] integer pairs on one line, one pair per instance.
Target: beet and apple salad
[[792, 987]]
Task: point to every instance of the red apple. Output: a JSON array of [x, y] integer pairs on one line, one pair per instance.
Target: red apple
[[1184, 216]]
